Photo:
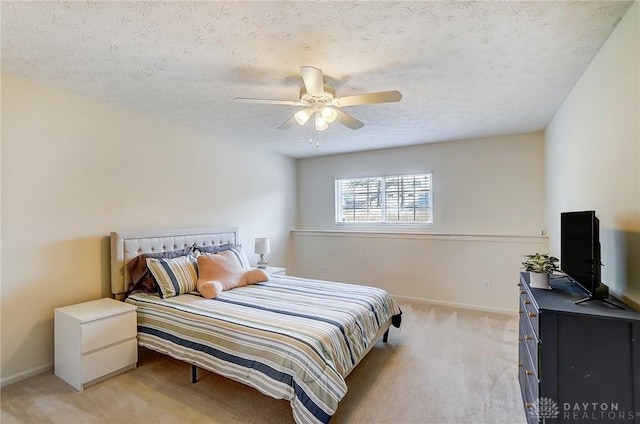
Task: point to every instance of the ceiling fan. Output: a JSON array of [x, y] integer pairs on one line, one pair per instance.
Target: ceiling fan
[[319, 101]]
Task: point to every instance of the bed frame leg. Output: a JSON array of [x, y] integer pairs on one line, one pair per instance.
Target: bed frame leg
[[194, 374], [385, 336]]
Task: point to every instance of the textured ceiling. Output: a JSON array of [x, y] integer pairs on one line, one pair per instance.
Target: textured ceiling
[[465, 69]]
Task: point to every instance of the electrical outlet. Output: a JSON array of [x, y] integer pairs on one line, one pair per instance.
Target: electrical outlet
[[485, 284], [323, 269]]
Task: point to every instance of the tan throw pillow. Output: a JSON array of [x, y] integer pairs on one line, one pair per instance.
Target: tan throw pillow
[[222, 271]]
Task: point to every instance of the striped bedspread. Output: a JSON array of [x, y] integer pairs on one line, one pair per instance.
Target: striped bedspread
[[290, 338]]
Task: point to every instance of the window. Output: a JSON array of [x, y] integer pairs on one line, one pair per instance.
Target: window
[[398, 199]]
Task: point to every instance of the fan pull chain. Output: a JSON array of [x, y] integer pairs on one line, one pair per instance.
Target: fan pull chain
[[311, 137]]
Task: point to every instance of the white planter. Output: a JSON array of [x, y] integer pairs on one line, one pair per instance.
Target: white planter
[[539, 280]]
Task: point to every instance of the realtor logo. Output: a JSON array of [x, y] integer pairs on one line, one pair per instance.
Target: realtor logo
[[544, 408]]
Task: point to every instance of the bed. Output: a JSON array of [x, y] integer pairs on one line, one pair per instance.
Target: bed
[[290, 338]]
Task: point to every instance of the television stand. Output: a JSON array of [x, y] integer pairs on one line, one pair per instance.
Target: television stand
[[590, 298], [600, 293]]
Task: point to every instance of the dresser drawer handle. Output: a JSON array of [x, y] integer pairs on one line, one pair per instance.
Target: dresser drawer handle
[[528, 405], [519, 284], [532, 314], [528, 372], [520, 339], [522, 292], [519, 364], [527, 302], [527, 338], [520, 311]]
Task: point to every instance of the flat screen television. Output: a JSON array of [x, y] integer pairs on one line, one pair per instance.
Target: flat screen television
[[580, 252]]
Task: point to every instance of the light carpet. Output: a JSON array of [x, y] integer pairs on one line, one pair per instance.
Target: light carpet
[[444, 365]]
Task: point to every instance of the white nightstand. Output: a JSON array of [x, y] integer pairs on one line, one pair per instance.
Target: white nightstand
[[94, 340], [274, 270]]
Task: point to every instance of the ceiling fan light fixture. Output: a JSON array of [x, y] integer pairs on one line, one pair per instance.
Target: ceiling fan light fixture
[[303, 116], [321, 124], [329, 114], [320, 102]]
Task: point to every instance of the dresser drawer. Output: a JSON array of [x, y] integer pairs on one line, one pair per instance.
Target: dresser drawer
[[530, 376], [105, 361], [107, 331], [529, 311], [527, 385], [531, 342]]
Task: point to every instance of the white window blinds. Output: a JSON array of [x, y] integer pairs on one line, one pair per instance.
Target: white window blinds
[[398, 199]]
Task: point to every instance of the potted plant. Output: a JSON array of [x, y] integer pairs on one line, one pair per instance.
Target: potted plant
[[539, 267]]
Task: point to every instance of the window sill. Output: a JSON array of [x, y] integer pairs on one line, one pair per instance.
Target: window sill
[[383, 226], [393, 233]]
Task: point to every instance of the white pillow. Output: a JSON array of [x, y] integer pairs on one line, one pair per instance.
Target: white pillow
[[239, 253]]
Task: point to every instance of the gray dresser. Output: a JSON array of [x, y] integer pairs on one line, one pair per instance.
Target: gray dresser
[[577, 363]]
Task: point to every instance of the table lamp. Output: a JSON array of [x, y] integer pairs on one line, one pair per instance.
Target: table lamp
[[262, 247]]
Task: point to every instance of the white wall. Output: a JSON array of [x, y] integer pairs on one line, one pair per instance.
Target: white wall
[[441, 269], [491, 185], [74, 169], [593, 155], [488, 212]]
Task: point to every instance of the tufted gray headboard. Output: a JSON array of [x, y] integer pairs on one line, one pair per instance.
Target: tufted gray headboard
[[127, 245]]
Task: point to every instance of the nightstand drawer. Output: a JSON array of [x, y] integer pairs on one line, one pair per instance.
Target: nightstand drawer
[[107, 331], [105, 361]]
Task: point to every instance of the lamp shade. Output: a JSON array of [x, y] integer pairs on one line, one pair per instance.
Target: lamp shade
[[321, 124], [262, 245], [329, 114], [303, 115]]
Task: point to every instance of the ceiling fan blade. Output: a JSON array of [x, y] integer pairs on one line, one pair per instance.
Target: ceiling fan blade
[[269, 101], [368, 98], [348, 120], [288, 123], [313, 80]]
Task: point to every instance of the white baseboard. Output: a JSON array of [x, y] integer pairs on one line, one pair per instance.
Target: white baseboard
[[401, 299], [26, 374]]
